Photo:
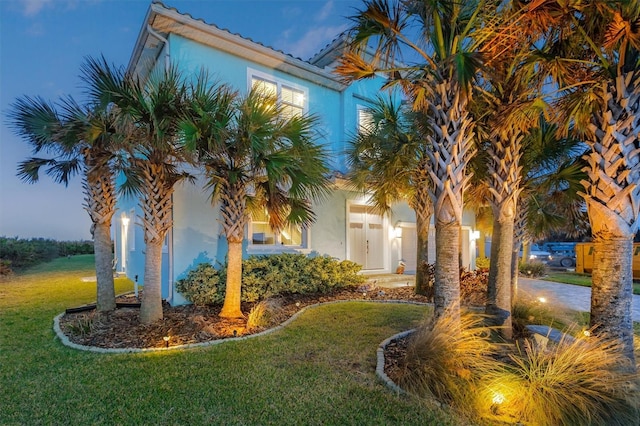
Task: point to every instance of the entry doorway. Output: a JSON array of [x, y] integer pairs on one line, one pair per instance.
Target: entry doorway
[[366, 237]]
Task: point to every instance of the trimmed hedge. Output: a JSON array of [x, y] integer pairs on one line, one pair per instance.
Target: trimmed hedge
[[271, 275]]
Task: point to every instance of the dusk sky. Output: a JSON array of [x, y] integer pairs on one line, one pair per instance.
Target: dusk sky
[[44, 42]]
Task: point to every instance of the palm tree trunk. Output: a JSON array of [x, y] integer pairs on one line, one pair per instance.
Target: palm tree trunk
[[106, 298], [493, 258], [423, 208], [515, 272], [612, 289], [151, 305], [422, 275], [519, 236], [99, 202], [452, 147], [613, 205], [447, 288], [232, 298], [157, 205], [499, 291], [234, 219]]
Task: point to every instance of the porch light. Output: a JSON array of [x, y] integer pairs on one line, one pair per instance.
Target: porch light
[[397, 232], [125, 221], [475, 235]]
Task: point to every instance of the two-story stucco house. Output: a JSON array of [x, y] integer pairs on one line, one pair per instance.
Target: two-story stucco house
[[346, 227]]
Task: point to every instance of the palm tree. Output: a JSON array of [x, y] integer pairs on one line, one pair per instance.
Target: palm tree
[[78, 140], [256, 159], [389, 159], [510, 106], [152, 111], [439, 37], [596, 63]]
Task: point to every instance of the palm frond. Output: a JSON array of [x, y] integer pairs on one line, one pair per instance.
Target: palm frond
[[29, 170]]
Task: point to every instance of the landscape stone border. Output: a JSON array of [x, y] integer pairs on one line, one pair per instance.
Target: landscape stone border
[[66, 342], [381, 362]]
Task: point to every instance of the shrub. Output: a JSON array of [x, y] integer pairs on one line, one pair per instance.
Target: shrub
[[574, 383], [447, 365], [483, 263], [5, 268], [579, 381], [473, 287], [272, 275], [532, 269], [202, 285], [473, 284], [264, 314]]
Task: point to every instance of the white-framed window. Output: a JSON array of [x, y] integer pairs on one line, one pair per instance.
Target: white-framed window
[[364, 119], [261, 234], [291, 96]]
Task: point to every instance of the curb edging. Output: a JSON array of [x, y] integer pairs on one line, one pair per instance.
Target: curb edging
[[64, 339], [381, 361]]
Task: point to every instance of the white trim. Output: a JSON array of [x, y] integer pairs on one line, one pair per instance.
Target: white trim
[[132, 229], [125, 222]]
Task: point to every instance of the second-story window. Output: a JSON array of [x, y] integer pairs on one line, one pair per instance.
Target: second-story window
[[364, 120], [292, 97]]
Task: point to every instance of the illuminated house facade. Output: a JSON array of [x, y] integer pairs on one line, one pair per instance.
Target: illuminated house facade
[[346, 228]]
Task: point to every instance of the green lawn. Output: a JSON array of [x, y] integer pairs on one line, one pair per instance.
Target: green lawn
[[578, 279], [319, 370]]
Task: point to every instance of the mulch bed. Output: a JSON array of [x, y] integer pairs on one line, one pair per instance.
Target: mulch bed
[[187, 324]]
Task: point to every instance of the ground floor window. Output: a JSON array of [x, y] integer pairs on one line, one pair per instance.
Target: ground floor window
[[261, 233]]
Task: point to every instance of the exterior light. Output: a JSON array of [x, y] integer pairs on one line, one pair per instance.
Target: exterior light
[[586, 333], [475, 235], [166, 341], [125, 221], [498, 398], [397, 232], [542, 299]]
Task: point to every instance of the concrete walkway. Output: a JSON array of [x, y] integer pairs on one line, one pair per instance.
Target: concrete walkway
[[571, 296]]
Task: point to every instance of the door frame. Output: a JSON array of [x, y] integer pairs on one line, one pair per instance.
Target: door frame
[[385, 237]]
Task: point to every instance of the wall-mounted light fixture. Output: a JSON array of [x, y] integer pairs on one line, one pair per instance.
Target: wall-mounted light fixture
[[475, 235], [397, 231]]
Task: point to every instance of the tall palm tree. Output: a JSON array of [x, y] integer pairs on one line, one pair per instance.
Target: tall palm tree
[[510, 106], [256, 159], [77, 140], [438, 36], [151, 110], [596, 63], [389, 159]]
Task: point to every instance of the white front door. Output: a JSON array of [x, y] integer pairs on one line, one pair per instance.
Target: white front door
[[366, 237]]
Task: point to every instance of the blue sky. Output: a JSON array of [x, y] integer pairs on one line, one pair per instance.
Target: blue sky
[[42, 46]]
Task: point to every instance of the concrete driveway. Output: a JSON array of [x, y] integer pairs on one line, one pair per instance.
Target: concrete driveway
[[572, 296]]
